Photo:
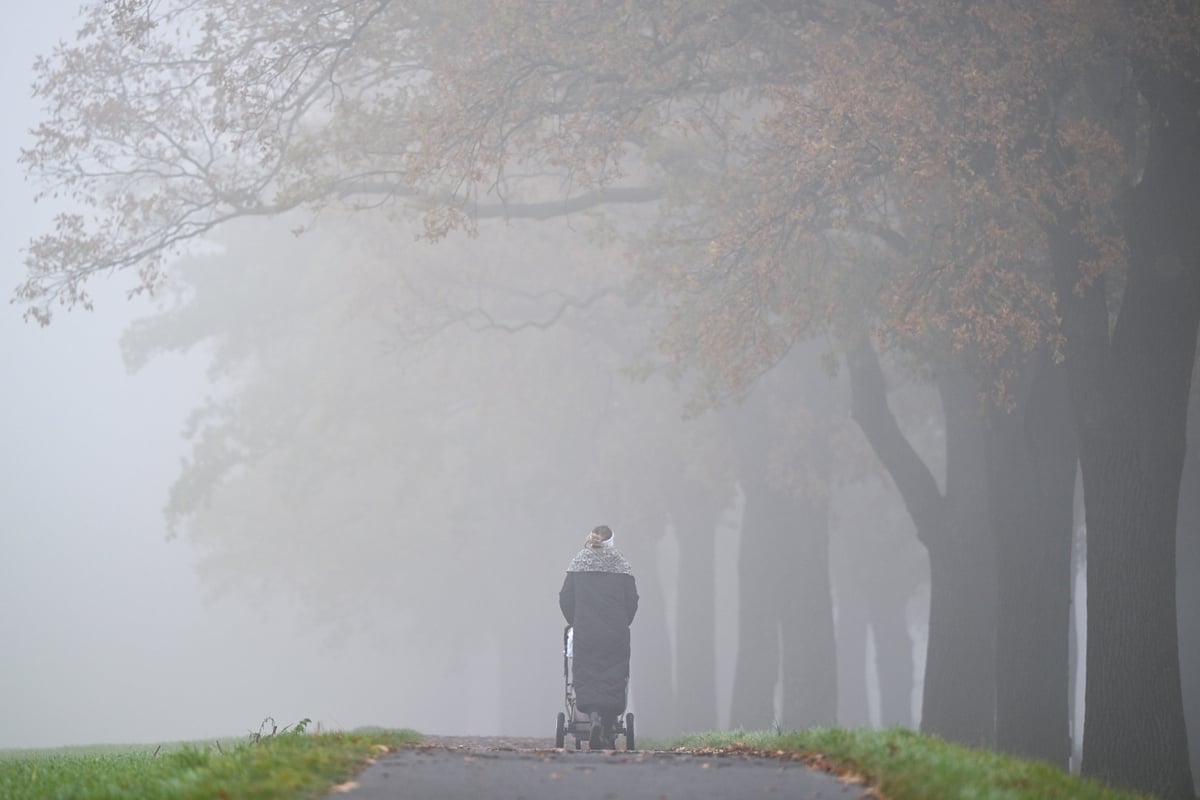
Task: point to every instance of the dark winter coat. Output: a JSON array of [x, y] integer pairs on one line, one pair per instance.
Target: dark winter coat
[[599, 599]]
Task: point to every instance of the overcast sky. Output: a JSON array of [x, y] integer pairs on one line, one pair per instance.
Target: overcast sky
[[105, 635]]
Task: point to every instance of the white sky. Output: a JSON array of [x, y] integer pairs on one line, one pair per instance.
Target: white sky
[[104, 635]]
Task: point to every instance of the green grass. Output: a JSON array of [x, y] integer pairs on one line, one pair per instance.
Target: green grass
[[87, 750], [904, 765], [288, 766]]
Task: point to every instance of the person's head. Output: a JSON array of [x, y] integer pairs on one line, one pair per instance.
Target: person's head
[[601, 536]]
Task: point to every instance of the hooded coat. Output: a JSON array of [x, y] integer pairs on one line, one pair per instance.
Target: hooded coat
[[599, 600]]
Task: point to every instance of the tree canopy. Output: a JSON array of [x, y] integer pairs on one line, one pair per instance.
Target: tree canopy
[[781, 135]]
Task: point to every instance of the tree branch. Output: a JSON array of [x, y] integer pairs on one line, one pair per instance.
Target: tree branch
[[505, 210], [869, 408]]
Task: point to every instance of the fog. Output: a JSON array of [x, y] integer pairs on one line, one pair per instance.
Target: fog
[[334, 470], [107, 633], [339, 477], [426, 596], [117, 633], [118, 629]]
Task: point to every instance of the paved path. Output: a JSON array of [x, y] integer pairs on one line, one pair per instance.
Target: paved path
[[506, 769]]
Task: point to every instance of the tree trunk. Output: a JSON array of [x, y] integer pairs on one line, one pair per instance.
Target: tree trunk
[[852, 630], [1032, 462], [756, 673], [809, 649], [1188, 583], [876, 569], [959, 698], [695, 645], [1129, 393], [1134, 734], [786, 608], [959, 693]]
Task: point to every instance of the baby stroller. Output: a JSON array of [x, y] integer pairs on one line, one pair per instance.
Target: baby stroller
[[575, 723]]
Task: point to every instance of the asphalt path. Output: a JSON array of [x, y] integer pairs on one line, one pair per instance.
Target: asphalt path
[[468, 769]]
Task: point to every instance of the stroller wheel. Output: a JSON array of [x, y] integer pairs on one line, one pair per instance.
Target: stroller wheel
[[629, 742], [560, 734]]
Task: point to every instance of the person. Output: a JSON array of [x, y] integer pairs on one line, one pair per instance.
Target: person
[[599, 600]]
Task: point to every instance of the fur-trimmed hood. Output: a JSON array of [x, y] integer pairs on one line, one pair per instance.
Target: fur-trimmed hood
[[600, 559]]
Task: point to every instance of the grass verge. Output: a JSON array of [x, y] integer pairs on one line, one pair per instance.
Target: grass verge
[[900, 764], [285, 766]]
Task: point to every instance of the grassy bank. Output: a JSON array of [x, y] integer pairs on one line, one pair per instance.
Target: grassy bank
[[285, 766], [904, 765]]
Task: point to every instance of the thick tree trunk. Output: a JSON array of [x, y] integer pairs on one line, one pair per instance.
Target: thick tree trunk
[[809, 648], [876, 569], [959, 698], [960, 684], [1130, 394], [962, 564], [874, 604], [852, 630], [785, 615], [1032, 461], [1134, 734], [1188, 584], [695, 636], [756, 673], [785, 612]]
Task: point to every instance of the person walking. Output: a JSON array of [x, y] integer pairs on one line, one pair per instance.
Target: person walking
[[599, 600]]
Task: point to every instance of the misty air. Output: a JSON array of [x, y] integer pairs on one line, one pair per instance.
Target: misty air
[[473, 398]]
